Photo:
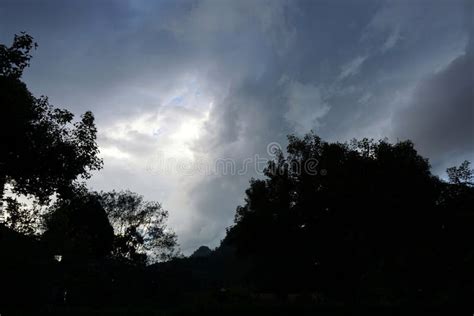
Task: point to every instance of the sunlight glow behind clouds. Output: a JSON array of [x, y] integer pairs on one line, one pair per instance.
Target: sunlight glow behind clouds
[[113, 152], [172, 131]]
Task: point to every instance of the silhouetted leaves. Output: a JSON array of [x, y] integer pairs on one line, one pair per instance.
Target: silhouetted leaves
[[43, 151], [140, 228], [14, 59], [23, 218], [369, 226], [462, 174], [77, 228]]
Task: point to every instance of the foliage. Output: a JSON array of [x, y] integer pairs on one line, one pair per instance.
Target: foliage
[[14, 59], [43, 151], [462, 174], [23, 218], [371, 224], [77, 228], [140, 228]]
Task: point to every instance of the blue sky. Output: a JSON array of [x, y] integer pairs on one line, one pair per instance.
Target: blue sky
[[201, 80]]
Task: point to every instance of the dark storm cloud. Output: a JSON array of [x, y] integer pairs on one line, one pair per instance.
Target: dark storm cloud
[[90, 51], [440, 116], [400, 43], [238, 75]]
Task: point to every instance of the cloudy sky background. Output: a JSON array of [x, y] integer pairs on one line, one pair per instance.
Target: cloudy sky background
[[175, 84]]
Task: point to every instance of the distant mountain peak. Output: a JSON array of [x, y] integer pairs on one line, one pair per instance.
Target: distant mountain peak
[[201, 252]]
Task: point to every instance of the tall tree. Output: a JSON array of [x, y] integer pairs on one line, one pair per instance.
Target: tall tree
[[141, 234], [78, 228], [43, 150], [359, 221]]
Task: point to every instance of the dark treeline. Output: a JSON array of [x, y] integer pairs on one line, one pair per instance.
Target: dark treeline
[[364, 223]]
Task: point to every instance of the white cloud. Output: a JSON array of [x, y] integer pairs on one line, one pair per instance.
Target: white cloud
[[113, 152], [392, 39], [352, 68]]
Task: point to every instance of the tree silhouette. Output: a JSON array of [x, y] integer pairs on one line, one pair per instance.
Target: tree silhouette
[[141, 234], [23, 218], [462, 174], [77, 228], [369, 225], [43, 151], [14, 59]]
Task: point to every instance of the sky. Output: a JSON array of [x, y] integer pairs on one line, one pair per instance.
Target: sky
[[191, 96]]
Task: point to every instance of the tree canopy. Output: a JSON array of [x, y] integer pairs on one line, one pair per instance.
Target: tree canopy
[[43, 150], [78, 228], [141, 234], [362, 221]]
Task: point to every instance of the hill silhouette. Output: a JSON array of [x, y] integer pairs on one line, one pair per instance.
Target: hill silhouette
[[201, 252]]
